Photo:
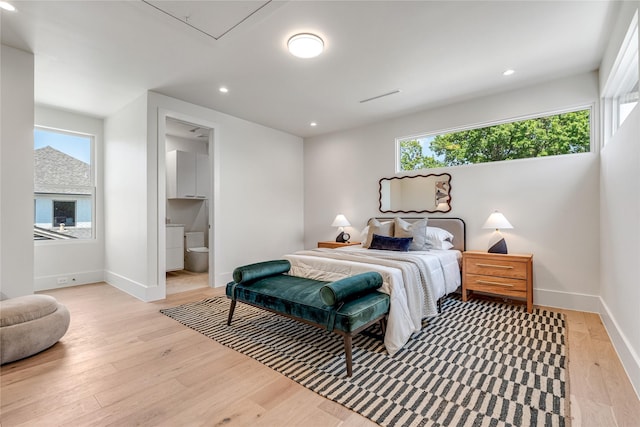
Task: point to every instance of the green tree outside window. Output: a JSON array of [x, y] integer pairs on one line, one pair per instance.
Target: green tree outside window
[[565, 133]]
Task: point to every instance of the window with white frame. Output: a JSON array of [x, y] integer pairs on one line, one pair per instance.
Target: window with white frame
[[64, 185], [621, 93], [554, 134]]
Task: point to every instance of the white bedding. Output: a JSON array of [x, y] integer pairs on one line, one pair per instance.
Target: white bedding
[[413, 280]]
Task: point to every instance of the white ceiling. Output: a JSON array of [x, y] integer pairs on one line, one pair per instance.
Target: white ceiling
[[95, 57], [184, 130]]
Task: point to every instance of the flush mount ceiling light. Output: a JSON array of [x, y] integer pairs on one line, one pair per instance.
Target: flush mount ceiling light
[[313, 124], [223, 89], [508, 72], [305, 45], [7, 6]]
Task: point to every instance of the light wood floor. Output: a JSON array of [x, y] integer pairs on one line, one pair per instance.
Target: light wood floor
[[183, 280], [123, 363]]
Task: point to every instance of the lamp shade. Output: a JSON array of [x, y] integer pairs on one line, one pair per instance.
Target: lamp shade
[[305, 45], [497, 221], [340, 221]]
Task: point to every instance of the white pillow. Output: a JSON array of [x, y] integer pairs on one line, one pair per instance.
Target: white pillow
[[446, 245], [417, 230], [364, 233], [439, 238], [379, 228]]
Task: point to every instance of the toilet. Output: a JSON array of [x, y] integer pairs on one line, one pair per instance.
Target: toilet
[[196, 257]]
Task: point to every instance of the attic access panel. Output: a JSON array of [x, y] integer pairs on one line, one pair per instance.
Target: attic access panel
[[214, 18]]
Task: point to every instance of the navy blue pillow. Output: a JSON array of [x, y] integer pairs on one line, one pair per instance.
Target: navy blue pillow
[[391, 243]]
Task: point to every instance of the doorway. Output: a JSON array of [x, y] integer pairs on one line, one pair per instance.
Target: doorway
[[188, 204]]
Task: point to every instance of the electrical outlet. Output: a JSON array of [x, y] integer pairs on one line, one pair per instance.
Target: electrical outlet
[[62, 280]]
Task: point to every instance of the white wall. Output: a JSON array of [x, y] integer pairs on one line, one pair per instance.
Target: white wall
[[16, 172], [183, 144], [80, 261], [127, 252], [619, 30], [552, 202], [620, 225], [620, 235], [193, 214], [257, 186]]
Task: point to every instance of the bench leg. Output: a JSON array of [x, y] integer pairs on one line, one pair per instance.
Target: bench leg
[[383, 326], [347, 353], [233, 307]]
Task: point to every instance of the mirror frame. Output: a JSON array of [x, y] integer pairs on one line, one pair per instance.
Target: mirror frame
[[411, 177]]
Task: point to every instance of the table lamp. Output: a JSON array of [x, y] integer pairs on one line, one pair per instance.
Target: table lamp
[[497, 244], [341, 221]]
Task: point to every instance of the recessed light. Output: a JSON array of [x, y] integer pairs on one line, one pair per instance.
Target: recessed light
[[7, 6], [223, 89], [305, 45], [313, 124], [508, 72]]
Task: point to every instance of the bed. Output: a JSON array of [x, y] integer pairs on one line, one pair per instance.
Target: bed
[[416, 280]]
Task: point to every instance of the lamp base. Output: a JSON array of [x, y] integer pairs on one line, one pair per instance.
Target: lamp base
[[497, 244]]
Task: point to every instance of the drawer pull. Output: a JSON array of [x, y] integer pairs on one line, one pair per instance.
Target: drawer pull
[[486, 282], [507, 267]]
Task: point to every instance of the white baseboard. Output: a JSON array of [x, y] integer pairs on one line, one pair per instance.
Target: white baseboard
[[222, 279], [133, 288], [628, 357], [566, 300], [65, 280], [595, 304]]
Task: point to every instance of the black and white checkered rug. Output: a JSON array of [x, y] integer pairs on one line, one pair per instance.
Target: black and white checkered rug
[[479, 363]]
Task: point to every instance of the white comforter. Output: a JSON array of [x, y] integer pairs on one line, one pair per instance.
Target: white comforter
[[413, 280]]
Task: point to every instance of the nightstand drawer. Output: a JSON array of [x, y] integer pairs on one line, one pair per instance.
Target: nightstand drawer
[[509, 275], [496, 267], [494, 284]]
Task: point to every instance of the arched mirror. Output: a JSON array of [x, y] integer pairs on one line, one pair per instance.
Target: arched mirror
[[416, 194]]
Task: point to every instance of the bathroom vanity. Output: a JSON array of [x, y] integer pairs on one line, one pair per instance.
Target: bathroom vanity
[[175, 247]]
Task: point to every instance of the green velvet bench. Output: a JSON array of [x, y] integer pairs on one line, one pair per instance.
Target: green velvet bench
[[346, 306]]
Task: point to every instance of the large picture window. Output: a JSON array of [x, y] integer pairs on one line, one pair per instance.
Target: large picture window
[[63, 185], [551, 135]]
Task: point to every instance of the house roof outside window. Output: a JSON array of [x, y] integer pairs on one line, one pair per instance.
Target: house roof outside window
[[60, 173]]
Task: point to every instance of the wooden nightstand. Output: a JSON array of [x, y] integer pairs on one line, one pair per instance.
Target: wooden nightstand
[[509, 275], [333, 245]]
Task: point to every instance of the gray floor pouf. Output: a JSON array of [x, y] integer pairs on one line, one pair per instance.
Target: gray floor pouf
[[30, 324]]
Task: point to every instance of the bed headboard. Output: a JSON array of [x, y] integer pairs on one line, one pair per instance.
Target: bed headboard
[[454, 226]]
